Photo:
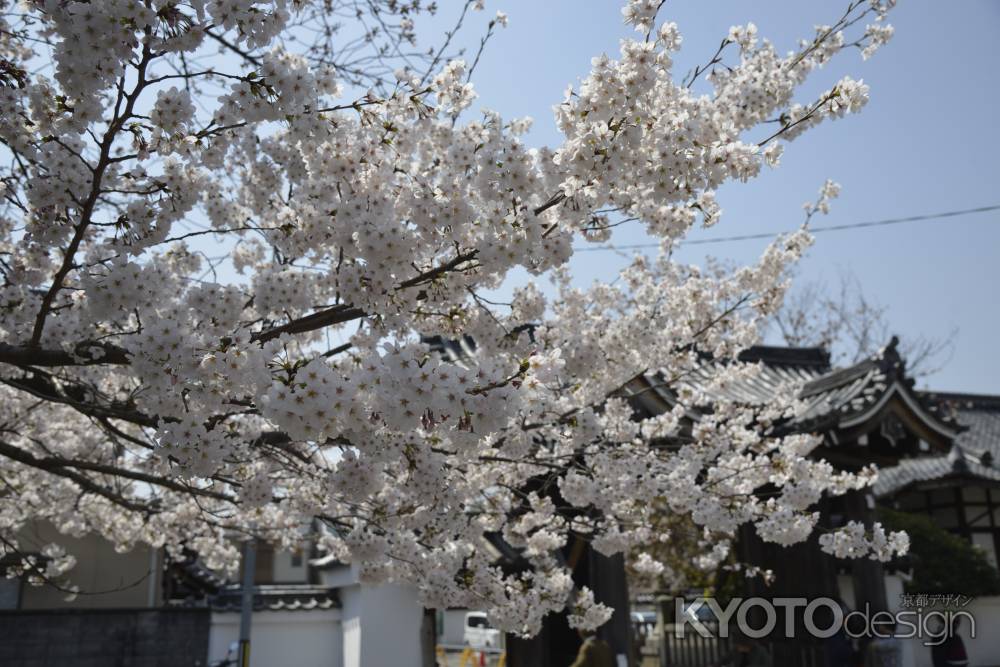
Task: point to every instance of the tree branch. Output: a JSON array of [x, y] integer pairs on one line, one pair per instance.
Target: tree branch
[[84, 354], [56, 467]]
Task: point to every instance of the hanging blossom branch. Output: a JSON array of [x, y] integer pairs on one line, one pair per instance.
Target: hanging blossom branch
[[182, 388]]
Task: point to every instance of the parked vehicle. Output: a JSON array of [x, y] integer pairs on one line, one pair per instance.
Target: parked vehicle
[[479, 634]]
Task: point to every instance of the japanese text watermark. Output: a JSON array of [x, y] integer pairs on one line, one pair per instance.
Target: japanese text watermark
[[822, 617]]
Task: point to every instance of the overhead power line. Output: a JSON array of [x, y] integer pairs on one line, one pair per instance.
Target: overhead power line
[[814, 230]]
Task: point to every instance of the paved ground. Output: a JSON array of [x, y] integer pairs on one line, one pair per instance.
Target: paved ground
[[456, 657]]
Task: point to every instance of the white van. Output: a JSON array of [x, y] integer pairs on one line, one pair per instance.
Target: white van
[[479, 634]]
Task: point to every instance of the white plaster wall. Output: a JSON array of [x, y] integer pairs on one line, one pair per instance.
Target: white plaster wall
[[453, 632], [912, 648], [390, 622], [112, 579], [339, 576], [350, 605], [381, 624], [282, 638], [285, 572], [983, 649]]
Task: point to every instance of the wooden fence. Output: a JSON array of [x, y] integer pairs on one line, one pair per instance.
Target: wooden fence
[[694, 650]]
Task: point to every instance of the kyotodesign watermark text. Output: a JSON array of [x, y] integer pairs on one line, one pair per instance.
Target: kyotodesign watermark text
[[821, 617]]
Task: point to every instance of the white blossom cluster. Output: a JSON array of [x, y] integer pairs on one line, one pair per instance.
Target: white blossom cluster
[[855, 541], [155, 393]]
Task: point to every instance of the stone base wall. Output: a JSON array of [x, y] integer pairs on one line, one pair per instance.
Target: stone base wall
[[105, 638]]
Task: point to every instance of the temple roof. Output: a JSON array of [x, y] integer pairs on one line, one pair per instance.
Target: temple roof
[[461, 351], [293, 597], [974, 456], [956, 467], [979, 415], [835, 398], [849, 401]]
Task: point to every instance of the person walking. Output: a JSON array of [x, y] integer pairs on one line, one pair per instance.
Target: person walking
[[951, 652], [594, 652]]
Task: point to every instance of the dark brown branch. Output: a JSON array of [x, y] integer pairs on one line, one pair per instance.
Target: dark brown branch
[[50, 462], [553, 201], [232, 47], [430, 275], [55, 467], [84, 354], [345, 312], [87, 209], [324, 318], [42, 388]]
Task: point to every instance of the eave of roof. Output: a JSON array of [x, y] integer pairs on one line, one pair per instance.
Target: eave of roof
[[978, 414], [834, 399], [956, 468], [276, 597]]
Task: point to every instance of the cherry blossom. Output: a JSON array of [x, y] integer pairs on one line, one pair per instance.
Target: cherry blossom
[[235, 257]]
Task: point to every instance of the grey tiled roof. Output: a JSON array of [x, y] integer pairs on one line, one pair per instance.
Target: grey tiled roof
[[827, 395], [976, 454], [830, 395], [956, 464], [760, 388], [293, 597], [980, 415], [461, 351]]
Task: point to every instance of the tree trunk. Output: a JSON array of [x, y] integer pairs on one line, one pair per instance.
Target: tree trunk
[[608, 581]]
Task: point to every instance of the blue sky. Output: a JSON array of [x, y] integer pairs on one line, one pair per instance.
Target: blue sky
[[927, 142]]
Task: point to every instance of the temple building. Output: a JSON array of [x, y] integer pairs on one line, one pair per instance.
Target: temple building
[[935, 453], [960, 490]]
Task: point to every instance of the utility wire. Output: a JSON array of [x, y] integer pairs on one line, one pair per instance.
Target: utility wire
[[814, 230]]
